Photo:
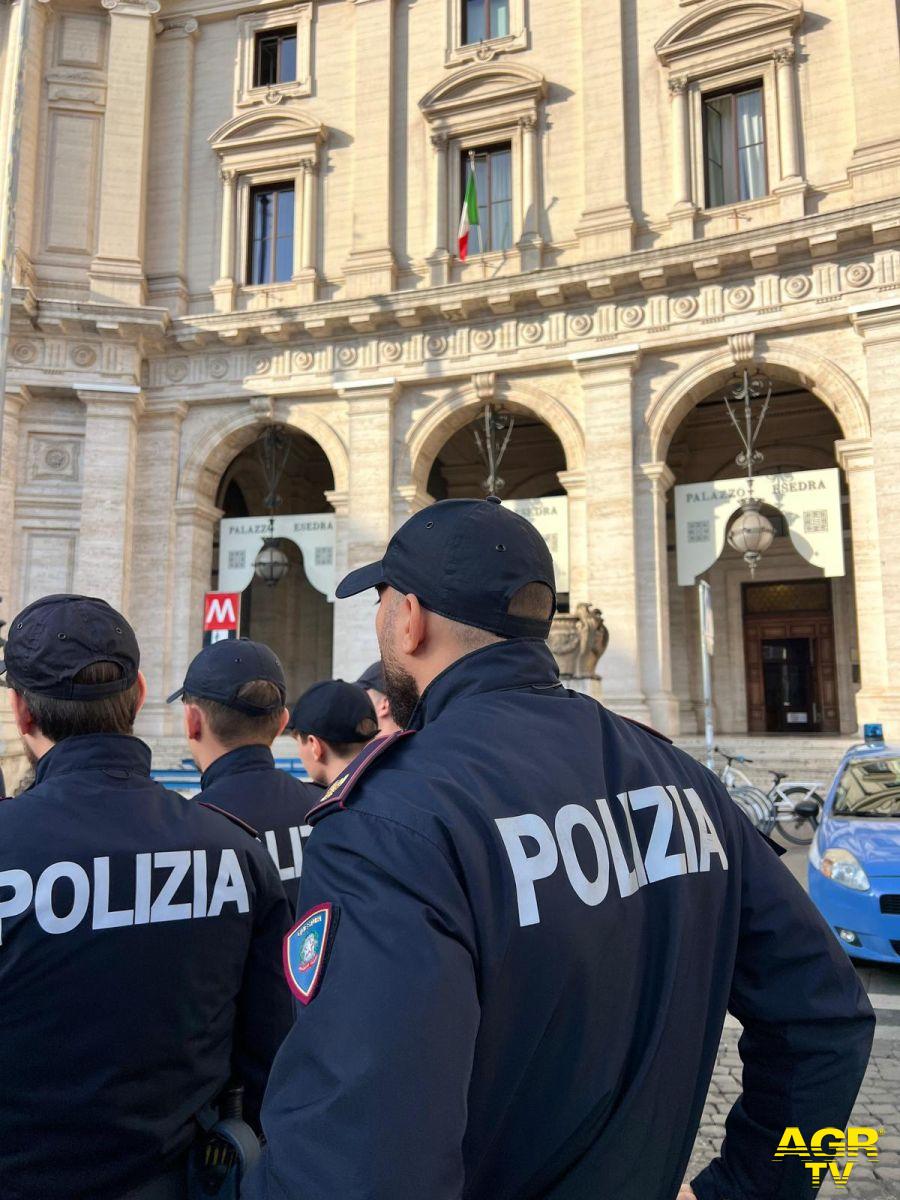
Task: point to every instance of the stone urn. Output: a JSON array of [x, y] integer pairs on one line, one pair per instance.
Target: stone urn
[[578, 641]]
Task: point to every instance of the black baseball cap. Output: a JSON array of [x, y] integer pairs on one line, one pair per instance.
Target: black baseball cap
[[465, 560], [372, 678], [222, 668], [335, 711], [54, 638]]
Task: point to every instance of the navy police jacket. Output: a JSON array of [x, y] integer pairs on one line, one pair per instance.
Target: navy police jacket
[[526, 922], [246, 782], [140, 952]]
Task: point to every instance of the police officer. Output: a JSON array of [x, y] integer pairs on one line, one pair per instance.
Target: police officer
[[331, 723], [233, 697], [372, 683], [140, 932], [526, 918]]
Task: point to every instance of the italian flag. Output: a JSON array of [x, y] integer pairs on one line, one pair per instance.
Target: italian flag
[[469, 215]]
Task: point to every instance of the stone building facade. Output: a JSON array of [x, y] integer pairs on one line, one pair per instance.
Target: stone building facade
[[234, 213]]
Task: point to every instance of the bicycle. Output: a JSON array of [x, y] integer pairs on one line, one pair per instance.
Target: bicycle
[[780, 805]]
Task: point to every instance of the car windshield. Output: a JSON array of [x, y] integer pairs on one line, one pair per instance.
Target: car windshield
[[869, 788]]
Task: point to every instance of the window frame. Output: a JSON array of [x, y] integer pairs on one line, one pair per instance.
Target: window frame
[[459, 51], [491, 37], [752, 85], [250, 25], [281, 32], [275, 188], [486, 149]]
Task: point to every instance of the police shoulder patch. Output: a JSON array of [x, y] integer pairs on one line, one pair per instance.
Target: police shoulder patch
[[306, 949], [338, 792]]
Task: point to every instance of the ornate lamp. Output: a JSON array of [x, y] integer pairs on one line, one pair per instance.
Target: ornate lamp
[[271, 564], [752, 533], [492, 444]]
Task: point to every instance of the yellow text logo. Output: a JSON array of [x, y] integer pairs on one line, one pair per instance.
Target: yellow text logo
[[826, 1148]]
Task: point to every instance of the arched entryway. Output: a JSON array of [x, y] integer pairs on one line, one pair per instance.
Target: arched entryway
[[293, 616]]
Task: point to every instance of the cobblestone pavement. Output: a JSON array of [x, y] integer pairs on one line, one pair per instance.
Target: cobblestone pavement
[[878, 1103]]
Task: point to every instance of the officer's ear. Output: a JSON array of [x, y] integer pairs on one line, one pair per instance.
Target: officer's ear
[[193, 722], [285, 717], [411, 625], [21, 714], [141, 692]]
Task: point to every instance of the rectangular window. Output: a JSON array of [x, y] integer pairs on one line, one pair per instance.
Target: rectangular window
[[271, 234], [276, 57], [484, 19], [493, 182], [734, 144]]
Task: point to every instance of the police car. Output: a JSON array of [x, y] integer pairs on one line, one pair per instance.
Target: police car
[[854, 859]]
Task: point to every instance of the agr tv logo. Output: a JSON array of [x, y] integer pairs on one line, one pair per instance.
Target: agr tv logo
[[826, 1147]]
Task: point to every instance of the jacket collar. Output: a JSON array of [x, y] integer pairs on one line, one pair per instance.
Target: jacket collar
[[94, 752], [499, 667], [242, 758]]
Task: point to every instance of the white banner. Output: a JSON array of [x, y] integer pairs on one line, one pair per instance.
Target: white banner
[[550, 516], [241, 538], [809, 501]]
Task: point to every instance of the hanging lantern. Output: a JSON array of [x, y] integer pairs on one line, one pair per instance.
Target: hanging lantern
[[271, 564], [751, 534]]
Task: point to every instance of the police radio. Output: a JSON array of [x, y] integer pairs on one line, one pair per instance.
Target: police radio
[[220, 1159]]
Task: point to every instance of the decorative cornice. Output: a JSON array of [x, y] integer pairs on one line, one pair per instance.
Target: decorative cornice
[[132, 8]]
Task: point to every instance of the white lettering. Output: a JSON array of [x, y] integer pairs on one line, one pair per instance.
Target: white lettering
[[687, 833], [199, 883], [22, 891], [162, 909], [47, 917], [658, 863], [230, 887], [528, 868], [635, 848], [103, 918], [709, 839], [625, 878], [591, 891], [143, 866]]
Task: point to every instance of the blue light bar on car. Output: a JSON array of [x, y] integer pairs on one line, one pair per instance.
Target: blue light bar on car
[[874, 735]]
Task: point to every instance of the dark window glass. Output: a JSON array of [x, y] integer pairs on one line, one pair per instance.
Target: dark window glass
[[271, 234], [493, 181], [869, 788], [276, 57], [483, 19], [734, 146]]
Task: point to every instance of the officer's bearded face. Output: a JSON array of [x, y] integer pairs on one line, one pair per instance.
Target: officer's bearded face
[[400, 688]]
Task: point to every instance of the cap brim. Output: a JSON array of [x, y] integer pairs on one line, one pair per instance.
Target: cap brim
[[175, 695], [361, 580]]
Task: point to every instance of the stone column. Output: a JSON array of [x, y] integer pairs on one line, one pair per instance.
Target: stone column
[[305, 204], [369, 513], [117, 271], [791, 188], [606, 226], [653, 595], [167, 183], [683, 208], [878, 508], [439, 259], [151, 605], [873, 44], [857, 460], [223, 288], [371, 269], [606, 380], [13, 402], [531, 242], [105, 536], [195, 522], [579, 590]]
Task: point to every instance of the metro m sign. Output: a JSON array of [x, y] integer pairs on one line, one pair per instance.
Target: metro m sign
[[221, 616]]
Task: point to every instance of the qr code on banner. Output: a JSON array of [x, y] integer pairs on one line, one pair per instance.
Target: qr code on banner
[[237, 559], [324, 556], [698, 531], [816, 521]]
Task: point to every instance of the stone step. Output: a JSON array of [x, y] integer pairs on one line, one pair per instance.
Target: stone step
[[811, 758]]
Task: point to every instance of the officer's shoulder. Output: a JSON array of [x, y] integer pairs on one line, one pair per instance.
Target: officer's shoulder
[[229, 816], [376, 755]]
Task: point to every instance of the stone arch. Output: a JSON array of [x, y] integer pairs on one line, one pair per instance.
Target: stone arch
[[823, 378], [217, 447], [430, 433], [720, 22]]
